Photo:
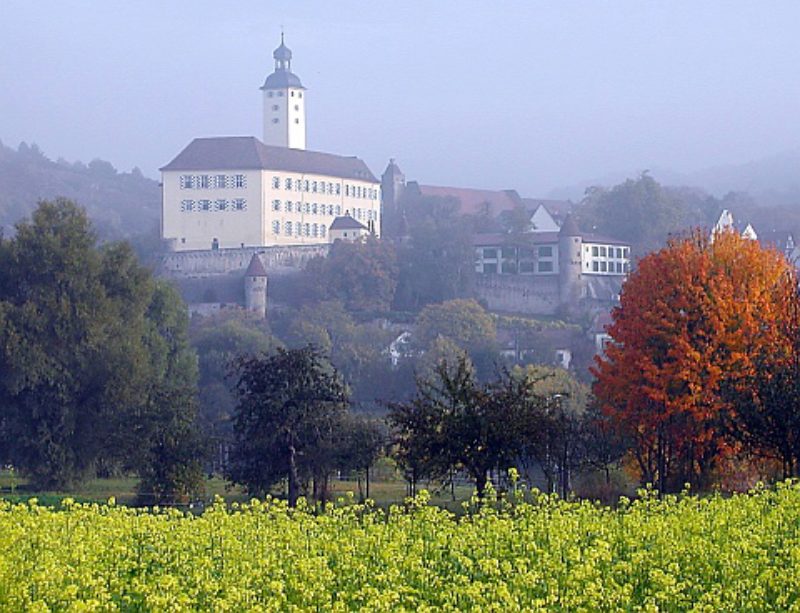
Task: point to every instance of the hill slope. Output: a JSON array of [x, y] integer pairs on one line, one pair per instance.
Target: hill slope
[[121, 205]]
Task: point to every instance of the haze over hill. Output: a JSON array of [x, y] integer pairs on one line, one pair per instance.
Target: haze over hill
[[770, 181], [121, 205]]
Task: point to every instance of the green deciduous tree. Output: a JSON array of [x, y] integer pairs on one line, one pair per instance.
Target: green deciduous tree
[[219, 340], [289, 406], [457, 423], [362, 275], [437, 259], [89, 344]]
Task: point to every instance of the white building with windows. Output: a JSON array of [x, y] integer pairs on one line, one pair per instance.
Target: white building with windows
[[550, 268], [239, 192]]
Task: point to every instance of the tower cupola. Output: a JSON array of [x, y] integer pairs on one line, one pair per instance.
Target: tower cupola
[[283, 57]]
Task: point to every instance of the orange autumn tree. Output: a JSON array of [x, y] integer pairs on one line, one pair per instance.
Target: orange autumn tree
[[694, 324]]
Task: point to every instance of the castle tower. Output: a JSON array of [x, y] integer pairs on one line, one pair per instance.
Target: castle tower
[[255, 287], [570, 244], [393, 183], [284, 104]]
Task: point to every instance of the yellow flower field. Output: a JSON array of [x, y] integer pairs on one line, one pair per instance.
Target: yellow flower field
[[740, 553]]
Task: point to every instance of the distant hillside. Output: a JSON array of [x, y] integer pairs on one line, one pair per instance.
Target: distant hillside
[[121, 205], [772, 181]]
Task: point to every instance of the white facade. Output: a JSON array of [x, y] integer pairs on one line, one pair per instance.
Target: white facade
[[229, 209], [605, 259], [542, 221], [285, 117]]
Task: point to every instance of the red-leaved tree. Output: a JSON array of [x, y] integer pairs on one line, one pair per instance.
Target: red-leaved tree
[[695, 325]]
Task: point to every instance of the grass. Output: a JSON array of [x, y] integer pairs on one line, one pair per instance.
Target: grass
[[123, 489]]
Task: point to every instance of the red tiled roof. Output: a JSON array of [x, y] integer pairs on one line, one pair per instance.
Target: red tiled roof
[[475, 201], [256, 268], [497, 238]]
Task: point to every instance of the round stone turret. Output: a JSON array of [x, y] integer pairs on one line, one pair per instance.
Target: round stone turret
[[255, 287], [570, 244]]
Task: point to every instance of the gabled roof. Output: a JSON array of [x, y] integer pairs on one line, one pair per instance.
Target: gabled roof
[[249, 153], [255, 268], [475, 201], [345, 222], [496, 239]]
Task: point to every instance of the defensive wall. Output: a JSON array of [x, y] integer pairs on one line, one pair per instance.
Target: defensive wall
[[534, 295], [216, 262]]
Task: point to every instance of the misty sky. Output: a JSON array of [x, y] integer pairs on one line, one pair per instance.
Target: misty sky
[[528, 95]]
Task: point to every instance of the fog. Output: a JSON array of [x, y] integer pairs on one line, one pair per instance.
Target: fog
[[527, 95]]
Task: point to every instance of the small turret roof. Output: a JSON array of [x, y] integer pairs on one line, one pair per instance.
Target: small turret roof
[[569, 227], [256, 268], [345, 222], [392, 169]]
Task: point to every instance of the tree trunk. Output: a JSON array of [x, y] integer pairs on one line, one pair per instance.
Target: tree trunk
[[480, 482], [294, 479], [366, 479]]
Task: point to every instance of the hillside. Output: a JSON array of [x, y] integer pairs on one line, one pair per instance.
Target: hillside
[[121, 205]]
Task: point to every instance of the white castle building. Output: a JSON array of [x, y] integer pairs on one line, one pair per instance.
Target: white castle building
[[239, 192]]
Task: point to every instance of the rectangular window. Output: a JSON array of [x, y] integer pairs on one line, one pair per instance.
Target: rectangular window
[[314, 230], [306, 229], [288, 228], [490, 253], [546, 252], [221, 182], [338, 209], [205, 205], [595, 266], [204, 181], [322, 230], [187, 206], [603, 267], [276, 182], [287, 184], [239, 181], [298, 185], [338, 189], [594, 251], [239, 204], [619, 266], [526, 267], [525, 253], [545, 266], [619, 252], [330, 188], [602, 251], [276, 205], [509, 252], [305, 185], [490, 269], [288, 206], [314, 208], [314, 187], [220, 205], [187, 182], [509, 268], [276, 227]]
